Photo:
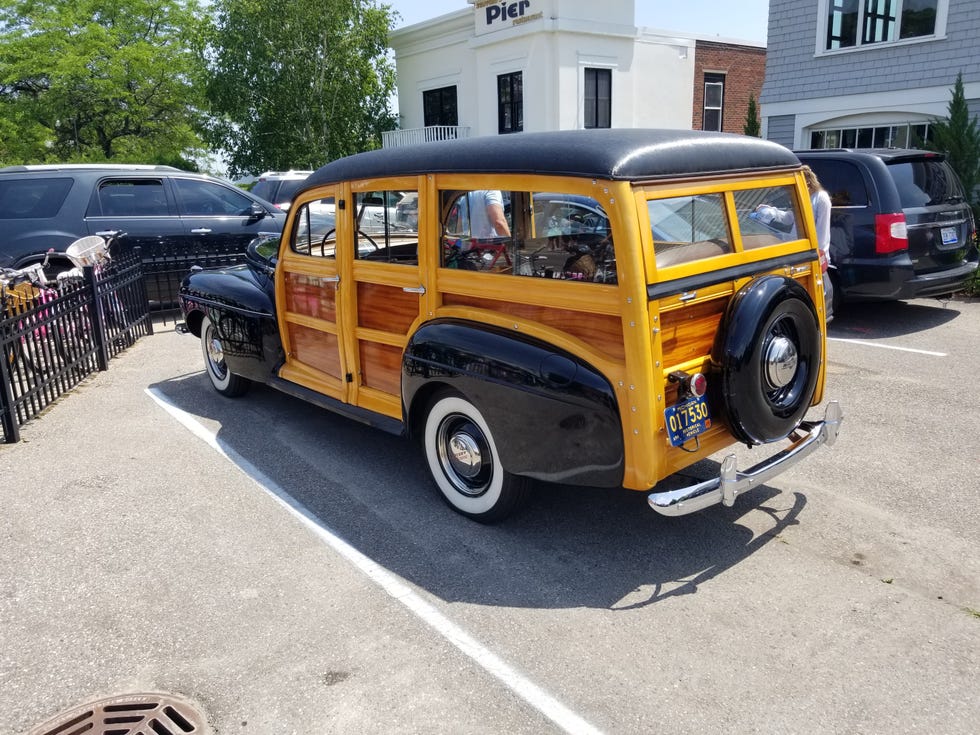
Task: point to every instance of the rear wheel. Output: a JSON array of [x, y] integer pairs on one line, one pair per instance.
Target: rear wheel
[[224, 381], [464, 462]]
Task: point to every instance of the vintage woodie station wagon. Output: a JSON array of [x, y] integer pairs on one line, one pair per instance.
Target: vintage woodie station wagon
[[588, 307]]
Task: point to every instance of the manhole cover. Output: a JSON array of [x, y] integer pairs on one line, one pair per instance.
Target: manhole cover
[[130, 714]]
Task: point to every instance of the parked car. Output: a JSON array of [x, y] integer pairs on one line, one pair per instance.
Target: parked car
[[901, 226], [162, 209], [702, 339], [279, 187]]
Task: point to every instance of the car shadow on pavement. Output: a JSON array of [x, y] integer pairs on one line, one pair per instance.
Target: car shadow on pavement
[[570, 547], [891, 318]]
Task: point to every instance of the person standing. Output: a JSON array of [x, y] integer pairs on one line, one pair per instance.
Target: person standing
[[487, 218]]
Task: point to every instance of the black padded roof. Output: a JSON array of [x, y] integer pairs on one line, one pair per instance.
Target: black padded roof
[[601, 154]]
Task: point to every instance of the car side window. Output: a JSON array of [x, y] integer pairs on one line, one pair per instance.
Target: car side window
[[767, 216], [843, 182], [385, 230], [538, 234], [206, 198], [131, 198], [688, 228], [32, 198], [314, 229]]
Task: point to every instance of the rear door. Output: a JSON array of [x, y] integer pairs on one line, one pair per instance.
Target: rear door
[[936, 212], [141, 207]]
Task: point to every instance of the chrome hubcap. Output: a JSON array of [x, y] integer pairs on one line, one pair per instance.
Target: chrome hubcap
[[216, 354], [465, 456], [781, 362]]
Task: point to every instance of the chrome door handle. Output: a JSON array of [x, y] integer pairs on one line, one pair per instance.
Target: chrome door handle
[[330, 279], [201, 231], [410, 289]]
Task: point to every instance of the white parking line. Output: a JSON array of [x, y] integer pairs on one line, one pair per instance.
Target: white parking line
[[391, 583], [866, 343]]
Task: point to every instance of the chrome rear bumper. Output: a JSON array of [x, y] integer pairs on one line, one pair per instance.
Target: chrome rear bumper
[[731, 483]]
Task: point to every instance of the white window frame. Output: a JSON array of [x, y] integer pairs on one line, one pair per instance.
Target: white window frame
[[823, 13], [721, 105]]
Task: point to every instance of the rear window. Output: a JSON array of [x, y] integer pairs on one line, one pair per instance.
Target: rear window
[[32, 198], [925, 183], [266, 190], [278, 192]]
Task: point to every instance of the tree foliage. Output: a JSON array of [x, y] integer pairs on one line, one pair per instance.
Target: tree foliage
[[90, 80], [958, 136], [752, 125], [297, 83]]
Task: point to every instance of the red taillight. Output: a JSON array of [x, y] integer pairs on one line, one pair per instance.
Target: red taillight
[[824, 264], [891, 233], [698, 385]]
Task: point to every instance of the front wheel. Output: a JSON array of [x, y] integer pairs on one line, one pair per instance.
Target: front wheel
[[224, 381], [465, 464]]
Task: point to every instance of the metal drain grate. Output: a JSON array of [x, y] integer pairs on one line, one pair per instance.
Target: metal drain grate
[[131, 714]]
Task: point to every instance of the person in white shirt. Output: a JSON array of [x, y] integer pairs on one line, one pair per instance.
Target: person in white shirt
[[486, 209]]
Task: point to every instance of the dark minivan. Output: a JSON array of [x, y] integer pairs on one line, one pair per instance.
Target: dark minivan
[[901, 226]]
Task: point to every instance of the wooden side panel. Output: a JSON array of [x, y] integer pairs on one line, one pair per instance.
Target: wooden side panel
[[386, 308], [601, 331], [381, 367], [319, 350], [688, 332], [307, 295]]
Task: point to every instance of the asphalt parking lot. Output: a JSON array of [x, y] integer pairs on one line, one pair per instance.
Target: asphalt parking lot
[[290, 571]]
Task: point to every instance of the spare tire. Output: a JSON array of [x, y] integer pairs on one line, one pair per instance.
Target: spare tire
[[769, 353]]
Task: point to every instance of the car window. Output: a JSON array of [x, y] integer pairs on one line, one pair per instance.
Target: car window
[[131, 198], [766, 216], [265, 190], [688, 228], [843, 182], [543, 234], [208, 198], [381, 234], [314, 229], [925, 183], [32, 198]]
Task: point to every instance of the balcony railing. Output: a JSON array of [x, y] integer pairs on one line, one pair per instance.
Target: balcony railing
[[415, 136]]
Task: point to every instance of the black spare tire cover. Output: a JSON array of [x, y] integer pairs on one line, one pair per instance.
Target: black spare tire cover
[[770, 352]]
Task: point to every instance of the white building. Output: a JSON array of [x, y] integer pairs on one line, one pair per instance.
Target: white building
[[503, 66]]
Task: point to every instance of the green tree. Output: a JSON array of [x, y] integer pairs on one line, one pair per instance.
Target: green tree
[[297, 83], [90, 80], [958, 136], [752, 125]]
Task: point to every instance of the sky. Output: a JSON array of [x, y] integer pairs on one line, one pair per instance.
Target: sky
[[745, 20]]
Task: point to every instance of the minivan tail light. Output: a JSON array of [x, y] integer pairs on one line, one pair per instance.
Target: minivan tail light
[[891, 233]]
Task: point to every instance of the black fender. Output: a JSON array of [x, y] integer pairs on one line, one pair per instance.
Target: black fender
[[240, 303], [554, 417], [768, 352]]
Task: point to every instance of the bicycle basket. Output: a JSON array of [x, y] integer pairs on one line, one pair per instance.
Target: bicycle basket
[[90, 250]]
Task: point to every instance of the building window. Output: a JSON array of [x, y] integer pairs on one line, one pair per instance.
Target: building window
[[714, 98], [854, 23], [598, 98], [439, 106], [905, 135], [510, 103]]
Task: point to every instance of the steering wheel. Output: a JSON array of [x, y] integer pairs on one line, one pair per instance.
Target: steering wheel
[[367, 237]]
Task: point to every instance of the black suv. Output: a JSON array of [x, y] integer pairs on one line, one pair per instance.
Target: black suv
[[900, 226], [159, 207]]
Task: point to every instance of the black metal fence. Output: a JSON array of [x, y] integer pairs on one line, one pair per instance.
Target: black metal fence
[[165, 265], [53, 341]]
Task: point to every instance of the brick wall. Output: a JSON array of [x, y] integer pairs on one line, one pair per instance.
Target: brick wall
[[744, 68]]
